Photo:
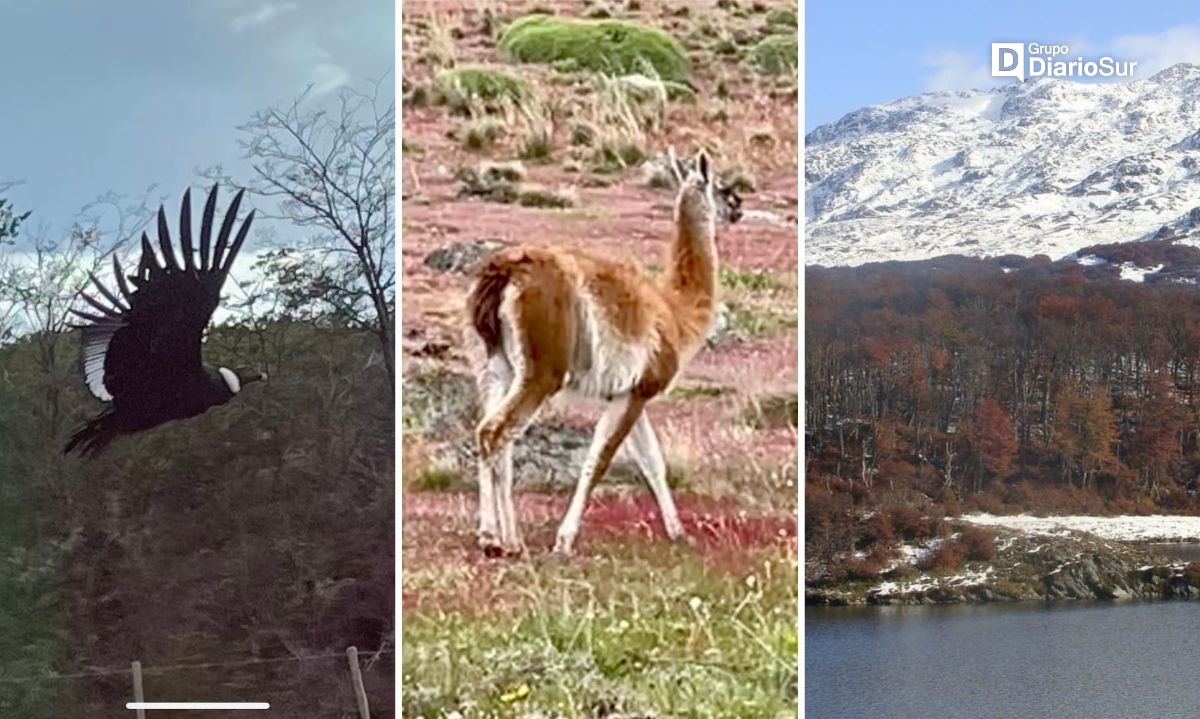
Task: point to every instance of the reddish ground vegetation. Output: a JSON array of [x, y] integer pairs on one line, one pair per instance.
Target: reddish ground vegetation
[[980, 543], [439, 532], [947, 556]]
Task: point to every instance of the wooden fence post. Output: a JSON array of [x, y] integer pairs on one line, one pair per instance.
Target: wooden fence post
[[360, 693], [138, 694]]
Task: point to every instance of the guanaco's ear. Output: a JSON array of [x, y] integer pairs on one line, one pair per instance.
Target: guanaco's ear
[[702, 166], [676, 168]]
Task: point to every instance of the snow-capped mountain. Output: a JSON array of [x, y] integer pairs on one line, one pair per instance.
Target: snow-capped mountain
[[1045, 167]]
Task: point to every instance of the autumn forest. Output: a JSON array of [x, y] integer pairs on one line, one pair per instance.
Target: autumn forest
[[1003, 385]]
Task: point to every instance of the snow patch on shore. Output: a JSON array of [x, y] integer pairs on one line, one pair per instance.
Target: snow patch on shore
[[924, 583], [1124, 528]]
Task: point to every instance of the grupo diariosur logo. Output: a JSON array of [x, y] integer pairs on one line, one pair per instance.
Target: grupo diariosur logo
[[1024, 60]]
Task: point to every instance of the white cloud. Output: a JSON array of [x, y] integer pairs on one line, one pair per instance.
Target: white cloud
[[263, 15], [1079, 45], [956, 70], [1156, 51], [315, 66], [327, 77]]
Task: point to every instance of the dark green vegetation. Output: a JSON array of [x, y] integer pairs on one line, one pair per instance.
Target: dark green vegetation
[[459, 87], [261, 530], [609, 46], [775, 55]]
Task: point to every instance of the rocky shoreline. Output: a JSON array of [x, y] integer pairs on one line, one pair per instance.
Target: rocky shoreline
[[1028, 567]]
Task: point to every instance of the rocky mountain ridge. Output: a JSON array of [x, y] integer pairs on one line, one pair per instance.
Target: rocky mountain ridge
[[1044, 167]]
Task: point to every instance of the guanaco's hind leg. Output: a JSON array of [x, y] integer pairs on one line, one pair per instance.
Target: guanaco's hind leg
[[496, 434], [494, 383], [611, 430], [649, 457], [538, 336]]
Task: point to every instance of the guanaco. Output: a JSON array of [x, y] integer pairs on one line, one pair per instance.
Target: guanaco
[[557, 320]]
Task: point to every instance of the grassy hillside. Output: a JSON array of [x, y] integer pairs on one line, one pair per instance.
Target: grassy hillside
[[256, 534]]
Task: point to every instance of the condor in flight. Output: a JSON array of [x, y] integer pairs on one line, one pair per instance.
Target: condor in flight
[[141, 355]]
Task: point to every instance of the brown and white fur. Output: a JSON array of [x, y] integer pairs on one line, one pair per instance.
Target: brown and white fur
[[559, 320]]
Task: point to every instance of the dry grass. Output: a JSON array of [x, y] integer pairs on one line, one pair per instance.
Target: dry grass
[[534, 120], [439, 41]]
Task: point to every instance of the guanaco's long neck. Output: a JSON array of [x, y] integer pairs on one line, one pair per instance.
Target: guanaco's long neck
[[692, 272]]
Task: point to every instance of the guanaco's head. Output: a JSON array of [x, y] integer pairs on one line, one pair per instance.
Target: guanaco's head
[[729, 203], [696, 205]]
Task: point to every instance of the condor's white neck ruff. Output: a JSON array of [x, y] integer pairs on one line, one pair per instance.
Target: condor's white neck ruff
[[231, 379]]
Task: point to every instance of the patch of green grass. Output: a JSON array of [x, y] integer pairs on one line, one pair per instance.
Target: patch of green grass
[[536, 196], [537, 143], [741, 181], [754, 280], [695, 391], [595, 181], [773, 411], [781, 18], [745, 321], [411, 147], [648, 631], [509, 171], [612, 47], [582, 134], [642, 89], [775, 55], [481, 134], [726, 47], [677, 476], [462, 87], [626, 472], [495, 181], [417, 97], [617, 156], [437, 478]]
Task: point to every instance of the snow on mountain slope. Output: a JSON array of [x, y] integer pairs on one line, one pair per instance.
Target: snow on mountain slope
[[1045, 167]]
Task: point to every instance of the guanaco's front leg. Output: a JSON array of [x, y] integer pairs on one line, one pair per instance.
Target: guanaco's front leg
[[614, 425]]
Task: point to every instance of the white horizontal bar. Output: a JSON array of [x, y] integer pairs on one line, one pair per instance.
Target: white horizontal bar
[[197, 705]]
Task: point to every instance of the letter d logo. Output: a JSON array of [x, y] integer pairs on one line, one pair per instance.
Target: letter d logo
[[1008, 60]]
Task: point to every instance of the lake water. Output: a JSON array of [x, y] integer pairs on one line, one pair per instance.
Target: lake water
[[1005, 661]]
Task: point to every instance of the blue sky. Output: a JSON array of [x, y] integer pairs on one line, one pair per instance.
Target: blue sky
[[123, 94], [860, 53]]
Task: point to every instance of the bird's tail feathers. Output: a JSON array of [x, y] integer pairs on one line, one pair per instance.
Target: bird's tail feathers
[[94, 436]]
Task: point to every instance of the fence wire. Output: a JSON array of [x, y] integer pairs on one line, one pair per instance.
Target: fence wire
[[167, 668]]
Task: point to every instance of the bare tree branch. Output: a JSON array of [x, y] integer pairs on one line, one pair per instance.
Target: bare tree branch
[[334, 171]]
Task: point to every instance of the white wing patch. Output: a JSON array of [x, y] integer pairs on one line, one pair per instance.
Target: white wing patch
[[231, 379], [95, 349]]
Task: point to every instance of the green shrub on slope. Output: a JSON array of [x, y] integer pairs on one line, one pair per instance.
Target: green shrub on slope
[[613, 47]]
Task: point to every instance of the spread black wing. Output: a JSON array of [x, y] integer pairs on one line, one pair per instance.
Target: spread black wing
[[143, 339]]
